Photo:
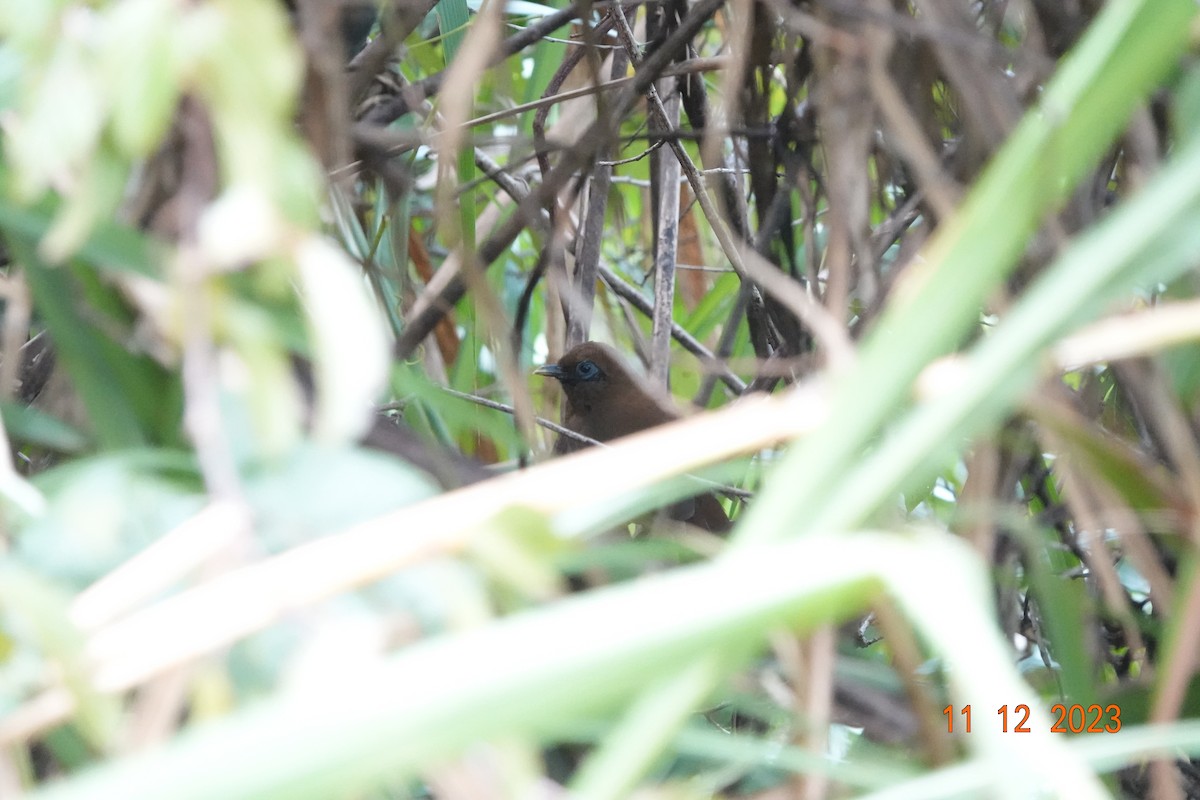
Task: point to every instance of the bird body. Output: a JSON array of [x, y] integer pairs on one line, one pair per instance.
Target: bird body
[[605, 400]]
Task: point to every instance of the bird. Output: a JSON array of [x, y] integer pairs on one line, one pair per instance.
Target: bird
[[606, 400]]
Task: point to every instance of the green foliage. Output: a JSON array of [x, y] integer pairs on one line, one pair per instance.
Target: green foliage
[[200, 552]]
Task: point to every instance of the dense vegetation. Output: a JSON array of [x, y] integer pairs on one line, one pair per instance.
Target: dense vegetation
[[279, 514]]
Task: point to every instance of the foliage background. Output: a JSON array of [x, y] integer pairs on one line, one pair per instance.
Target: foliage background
[[929, 266]]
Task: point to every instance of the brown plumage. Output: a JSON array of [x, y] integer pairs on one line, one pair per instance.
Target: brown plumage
[[605, 401]]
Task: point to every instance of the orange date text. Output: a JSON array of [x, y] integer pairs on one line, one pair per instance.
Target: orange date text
[[1073, 718]]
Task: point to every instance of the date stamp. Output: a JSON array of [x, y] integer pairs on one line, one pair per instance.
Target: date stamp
[[1072, 718]]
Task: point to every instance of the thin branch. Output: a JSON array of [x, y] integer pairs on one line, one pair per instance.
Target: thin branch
[[423, 317], [711, 363]]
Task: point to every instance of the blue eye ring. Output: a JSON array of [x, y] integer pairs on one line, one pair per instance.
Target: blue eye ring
[[587, 370]]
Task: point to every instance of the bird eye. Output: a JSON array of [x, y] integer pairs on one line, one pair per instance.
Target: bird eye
[[587, 370]]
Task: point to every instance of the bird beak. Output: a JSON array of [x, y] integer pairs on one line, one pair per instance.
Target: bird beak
[[550, 371]]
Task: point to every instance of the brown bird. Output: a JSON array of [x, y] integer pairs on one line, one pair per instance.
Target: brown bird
[[605, 401]]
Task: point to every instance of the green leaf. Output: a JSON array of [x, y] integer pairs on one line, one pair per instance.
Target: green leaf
[[110, 246], [1145, 486], [319, 490], [452, 21], [33, 426], [37, 609], [1081, 111], [139, 65], [121, 391], [103, 509]]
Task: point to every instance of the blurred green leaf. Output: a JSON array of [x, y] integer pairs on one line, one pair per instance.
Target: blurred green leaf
[[139, 63], [123, 392], [30, 425], [110, 247], [103, 509], [1141, 484], [35, 609], [319, 490]]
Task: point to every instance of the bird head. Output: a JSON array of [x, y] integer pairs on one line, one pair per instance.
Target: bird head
[[590, 373]]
